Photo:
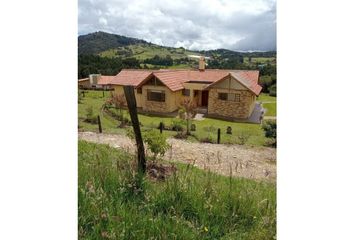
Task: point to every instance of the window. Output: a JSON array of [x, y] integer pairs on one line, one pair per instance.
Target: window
[[155, 95], [237, 97], [222, 96], [234, 97], [186, 92], [139, 90]]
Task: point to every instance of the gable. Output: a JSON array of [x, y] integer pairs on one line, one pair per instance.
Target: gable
[[229, 83], [154, 81]]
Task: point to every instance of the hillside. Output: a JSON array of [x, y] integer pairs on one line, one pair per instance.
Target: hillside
[[113, 45], [95, 43], [107, 54]]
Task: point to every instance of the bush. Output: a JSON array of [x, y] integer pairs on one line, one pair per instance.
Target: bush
[[125, 122], [156, 142], [273, 90], [207, 139], [181, 135], [90, 118], [270, 131], [242, 137], [177, 125]]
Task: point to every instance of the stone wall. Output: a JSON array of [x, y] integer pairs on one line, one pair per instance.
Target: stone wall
[[152, 106], [231, 109]]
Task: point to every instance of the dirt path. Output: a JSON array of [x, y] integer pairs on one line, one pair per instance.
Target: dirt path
[[249, 162]]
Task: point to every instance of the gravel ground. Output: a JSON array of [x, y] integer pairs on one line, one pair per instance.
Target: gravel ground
[[243, 161]]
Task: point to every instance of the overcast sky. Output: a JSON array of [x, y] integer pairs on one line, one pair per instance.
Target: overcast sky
[[198, 25]]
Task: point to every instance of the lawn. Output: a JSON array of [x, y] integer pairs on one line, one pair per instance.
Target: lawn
[[191, 204], [271, 109], [264, 97], [205, 129], [269, 103]]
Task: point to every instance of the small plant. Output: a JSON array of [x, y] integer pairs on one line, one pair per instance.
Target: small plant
[[177, 125], [207, 139], [181, 135], [273, 90], [242, 137], [156, 142], [89, 115]]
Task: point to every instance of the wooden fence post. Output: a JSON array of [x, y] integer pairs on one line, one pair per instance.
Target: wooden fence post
[[219, 135], [83, 93], [161, 127], [131, 102], [99, 124]]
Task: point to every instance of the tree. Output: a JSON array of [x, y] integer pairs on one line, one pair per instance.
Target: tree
[[189, 107], [118, 100]]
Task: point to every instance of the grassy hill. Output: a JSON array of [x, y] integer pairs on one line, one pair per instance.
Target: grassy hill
[[113, 203], [95, 43], [113, 45]]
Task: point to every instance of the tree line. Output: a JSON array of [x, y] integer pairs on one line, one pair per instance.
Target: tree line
[[88, 64]]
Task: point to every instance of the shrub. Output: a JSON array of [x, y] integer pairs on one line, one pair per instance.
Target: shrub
[[242, 137], [181, 135], [89, 115], [207, 139], [156, 142], [270, 131], [273, 90], [177, 125], [181, 113]]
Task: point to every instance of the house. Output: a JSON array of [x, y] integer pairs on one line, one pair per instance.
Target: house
[[96, 81], [220, 93]]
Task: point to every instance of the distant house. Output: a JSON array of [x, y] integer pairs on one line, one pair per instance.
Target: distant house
[[221, 93], [96, 81]]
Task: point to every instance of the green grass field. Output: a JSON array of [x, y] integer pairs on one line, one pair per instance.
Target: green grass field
[[269, 103], [144, 51], [191, 204], [204, 129], [261, 60], [271, 109]]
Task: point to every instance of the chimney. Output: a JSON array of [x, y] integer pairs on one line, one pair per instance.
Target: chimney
[[201, 64]]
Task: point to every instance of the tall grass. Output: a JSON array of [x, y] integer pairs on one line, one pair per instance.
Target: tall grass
[[116, 203]]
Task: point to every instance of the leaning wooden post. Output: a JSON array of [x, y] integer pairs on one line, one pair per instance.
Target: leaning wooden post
[[131, 102], [219, 131], [99, 124]]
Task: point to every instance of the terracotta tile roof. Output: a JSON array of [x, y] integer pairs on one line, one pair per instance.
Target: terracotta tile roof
[[104, 80], [130, 77], [83, 79], [249, 79], [174, 79]]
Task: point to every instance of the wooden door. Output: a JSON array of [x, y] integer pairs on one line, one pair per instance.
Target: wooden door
[[205, 96]]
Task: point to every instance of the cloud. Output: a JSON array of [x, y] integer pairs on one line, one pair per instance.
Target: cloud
[[209, 24]]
